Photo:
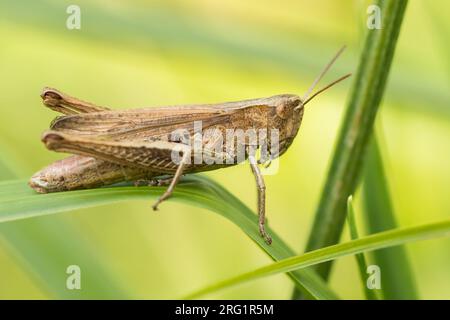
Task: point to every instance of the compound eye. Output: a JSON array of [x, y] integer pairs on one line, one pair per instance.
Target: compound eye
[[282, 111]]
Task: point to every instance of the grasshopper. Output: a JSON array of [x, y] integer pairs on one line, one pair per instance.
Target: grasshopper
[[135, 145]]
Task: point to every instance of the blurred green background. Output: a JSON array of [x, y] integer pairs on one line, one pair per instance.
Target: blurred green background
[[144, 53]]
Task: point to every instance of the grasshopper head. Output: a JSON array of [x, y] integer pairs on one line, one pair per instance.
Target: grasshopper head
[[288, 109], [286, 118]]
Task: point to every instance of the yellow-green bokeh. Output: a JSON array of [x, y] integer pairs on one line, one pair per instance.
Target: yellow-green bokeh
[[145, 53]]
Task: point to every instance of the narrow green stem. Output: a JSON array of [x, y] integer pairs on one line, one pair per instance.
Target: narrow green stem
[[398, 280], [367, 92], [360, 258]]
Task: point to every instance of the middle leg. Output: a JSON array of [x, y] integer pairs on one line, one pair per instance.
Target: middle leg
[[261, 198]]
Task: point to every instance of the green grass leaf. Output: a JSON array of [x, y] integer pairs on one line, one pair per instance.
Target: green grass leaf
[[18, 201], [360, 259], [373, 242], [366, 94], [44, 248], [398, 280]]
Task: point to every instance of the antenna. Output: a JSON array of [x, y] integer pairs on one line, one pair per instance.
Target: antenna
[[324, 71], [327, 87]]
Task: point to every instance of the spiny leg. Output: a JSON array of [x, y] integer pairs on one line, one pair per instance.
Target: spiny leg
[[261, 199], [175, 179]]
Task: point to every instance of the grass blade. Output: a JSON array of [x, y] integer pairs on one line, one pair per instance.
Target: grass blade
[[346, 166], [398, 280], [373, 242], [18, 201], [36, 243], [360, 259]]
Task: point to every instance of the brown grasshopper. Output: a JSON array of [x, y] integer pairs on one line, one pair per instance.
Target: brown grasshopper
[[136, 145]]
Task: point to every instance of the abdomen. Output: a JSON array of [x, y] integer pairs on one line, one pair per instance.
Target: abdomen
[[79, 172]]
